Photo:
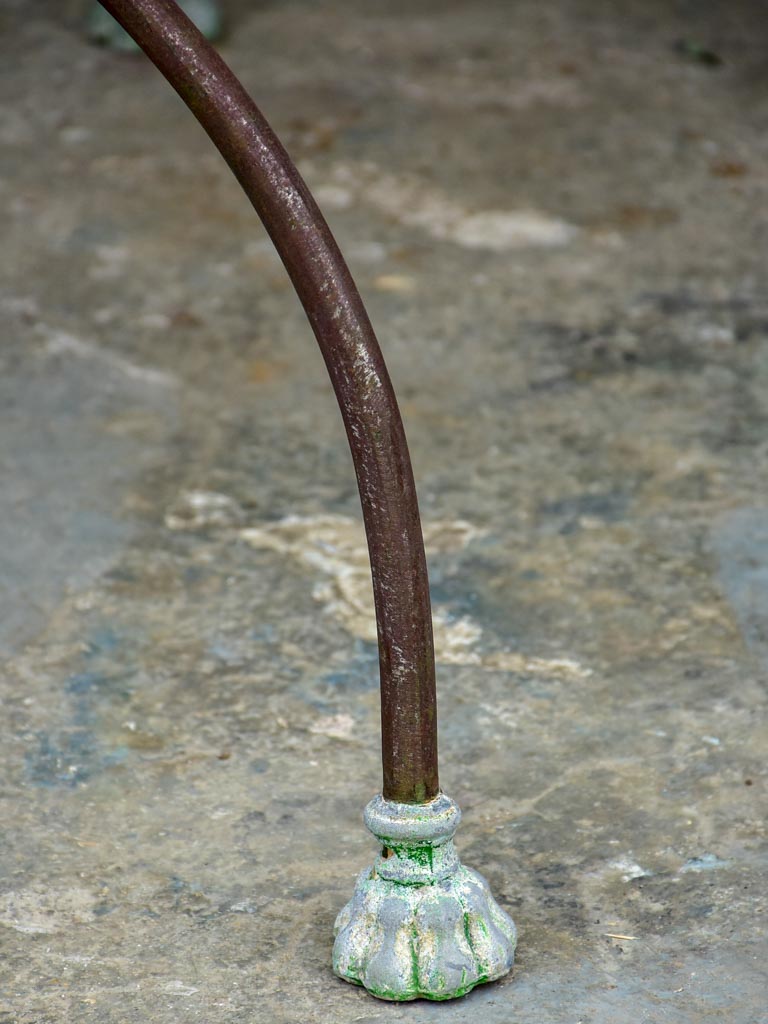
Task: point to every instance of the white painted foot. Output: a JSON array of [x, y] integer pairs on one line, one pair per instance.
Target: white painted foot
[[420, 925]]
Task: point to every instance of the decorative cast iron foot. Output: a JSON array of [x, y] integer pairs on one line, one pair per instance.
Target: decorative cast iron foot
[[420, 925]]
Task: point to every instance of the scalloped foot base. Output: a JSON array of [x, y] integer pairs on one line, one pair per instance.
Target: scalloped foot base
[[420, 925]]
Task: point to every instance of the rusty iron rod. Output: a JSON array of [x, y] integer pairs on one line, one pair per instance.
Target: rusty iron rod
[[356, 368]]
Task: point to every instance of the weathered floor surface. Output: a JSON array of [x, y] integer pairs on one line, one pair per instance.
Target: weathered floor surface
[[558, 218]]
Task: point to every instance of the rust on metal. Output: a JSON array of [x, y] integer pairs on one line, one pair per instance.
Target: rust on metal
[[356, 368]]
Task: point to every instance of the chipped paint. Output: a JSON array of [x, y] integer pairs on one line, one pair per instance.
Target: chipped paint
[[194, 510], [335, 545], [338, 727], [43, 911], [60, 343], [629, 869], [416, 204]]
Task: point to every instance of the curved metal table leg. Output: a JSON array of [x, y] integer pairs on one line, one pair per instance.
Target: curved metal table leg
[[419, 924]]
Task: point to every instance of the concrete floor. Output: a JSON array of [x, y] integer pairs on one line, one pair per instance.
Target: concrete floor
[[558, 220]]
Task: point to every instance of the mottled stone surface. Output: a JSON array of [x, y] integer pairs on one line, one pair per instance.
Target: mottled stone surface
[[558, 219]]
